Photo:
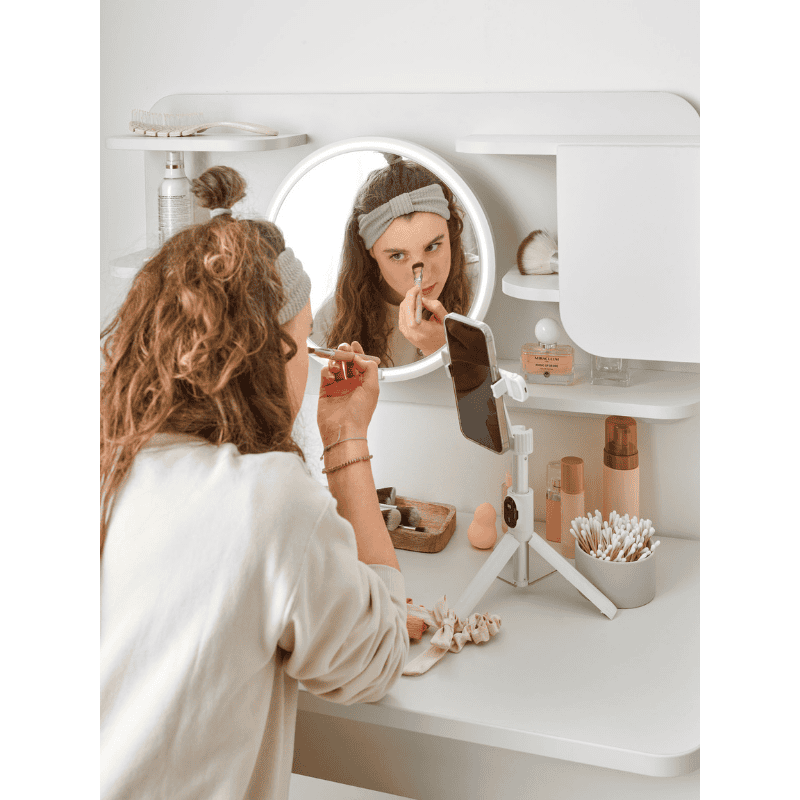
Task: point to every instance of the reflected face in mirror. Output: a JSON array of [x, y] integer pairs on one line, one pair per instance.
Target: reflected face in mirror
[[422, 239], [357, 286]]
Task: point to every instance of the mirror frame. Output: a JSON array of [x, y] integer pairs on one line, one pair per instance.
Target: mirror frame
[[466, 197]]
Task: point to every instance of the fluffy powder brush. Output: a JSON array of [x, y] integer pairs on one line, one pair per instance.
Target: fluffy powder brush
[[537, 254]]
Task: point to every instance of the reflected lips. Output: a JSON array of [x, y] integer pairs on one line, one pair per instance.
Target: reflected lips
[[429, 289]]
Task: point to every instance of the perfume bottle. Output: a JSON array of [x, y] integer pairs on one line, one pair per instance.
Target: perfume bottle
[[548, 362], [553, 502], [610, 371], [175, 199]]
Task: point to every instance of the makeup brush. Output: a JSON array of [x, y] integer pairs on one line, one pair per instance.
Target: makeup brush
[[418, 269], [391, 516], [409, 516], [537, 254], [340, 355]]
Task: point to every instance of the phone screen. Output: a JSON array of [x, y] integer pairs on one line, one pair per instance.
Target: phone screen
[[480, 414]]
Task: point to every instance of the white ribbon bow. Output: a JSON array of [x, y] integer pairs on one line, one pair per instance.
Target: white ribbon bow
[[451, 634]]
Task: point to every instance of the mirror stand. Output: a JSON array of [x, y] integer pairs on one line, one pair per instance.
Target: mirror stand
[[518, 516]]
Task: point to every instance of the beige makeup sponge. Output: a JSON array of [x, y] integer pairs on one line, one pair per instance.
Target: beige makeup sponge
[[482, 532]]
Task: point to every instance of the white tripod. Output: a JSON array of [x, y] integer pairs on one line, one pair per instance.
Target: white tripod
[[518, 515]]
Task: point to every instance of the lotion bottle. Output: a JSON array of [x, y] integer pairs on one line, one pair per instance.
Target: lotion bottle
[[553, 502], [175, 199], [573, 501], [620, 468]]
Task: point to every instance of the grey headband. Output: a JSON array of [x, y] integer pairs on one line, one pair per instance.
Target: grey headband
[[296, 285], [427, 198]]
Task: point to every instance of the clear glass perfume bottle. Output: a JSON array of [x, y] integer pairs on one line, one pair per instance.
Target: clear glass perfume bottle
[[546, 361], [610, 371]]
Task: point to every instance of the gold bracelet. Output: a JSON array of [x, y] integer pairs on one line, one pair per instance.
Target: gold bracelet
[[346, 463], [353, 439]]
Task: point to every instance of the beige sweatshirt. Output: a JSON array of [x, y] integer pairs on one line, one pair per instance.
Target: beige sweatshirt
[[225, 580]]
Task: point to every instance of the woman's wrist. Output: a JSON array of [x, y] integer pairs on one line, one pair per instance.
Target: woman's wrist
[[343, 433], [345, 451]]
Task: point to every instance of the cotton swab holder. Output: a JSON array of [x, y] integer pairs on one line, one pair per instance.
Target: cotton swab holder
[[620, 561]]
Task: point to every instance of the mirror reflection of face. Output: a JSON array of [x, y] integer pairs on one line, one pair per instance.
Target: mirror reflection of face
[[420, 238]]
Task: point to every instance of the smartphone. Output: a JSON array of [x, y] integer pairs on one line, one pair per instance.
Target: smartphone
[[473, 370]]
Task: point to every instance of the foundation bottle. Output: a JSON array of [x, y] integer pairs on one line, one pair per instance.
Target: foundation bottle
[[572, 501], [553, 502], [620, 468]]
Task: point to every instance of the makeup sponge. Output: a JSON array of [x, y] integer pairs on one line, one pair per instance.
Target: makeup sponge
[[482, 532]]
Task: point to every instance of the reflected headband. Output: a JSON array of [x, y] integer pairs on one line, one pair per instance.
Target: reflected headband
[[296, 285], [427, 198]]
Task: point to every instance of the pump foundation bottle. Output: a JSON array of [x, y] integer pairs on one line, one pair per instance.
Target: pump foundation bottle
[[572, 501], [620, 468]]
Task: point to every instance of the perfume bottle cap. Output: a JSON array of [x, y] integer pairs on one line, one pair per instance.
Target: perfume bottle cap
[[571, 475], [621, 451], [547, 331], [554, 474]]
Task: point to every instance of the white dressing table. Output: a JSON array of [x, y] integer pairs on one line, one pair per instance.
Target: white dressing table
[[562, 703]]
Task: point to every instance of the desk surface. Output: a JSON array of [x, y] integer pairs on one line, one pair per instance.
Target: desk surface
[[559, 679]]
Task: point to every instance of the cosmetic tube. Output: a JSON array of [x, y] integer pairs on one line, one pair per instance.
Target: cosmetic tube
[[620, 468], [553, 502], [572, 501]]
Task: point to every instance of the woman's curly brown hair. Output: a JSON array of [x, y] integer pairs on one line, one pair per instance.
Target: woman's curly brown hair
[[196, 346], [361, 313]]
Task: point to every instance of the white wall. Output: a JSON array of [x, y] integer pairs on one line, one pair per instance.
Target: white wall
[[152, 48]]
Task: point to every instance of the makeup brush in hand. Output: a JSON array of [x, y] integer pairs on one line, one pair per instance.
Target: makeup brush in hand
[[418, 270], [537, 254]]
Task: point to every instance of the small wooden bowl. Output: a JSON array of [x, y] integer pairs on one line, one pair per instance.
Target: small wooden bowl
[[438, 519]]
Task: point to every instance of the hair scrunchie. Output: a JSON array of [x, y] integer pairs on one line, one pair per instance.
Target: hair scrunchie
[[427, 198]]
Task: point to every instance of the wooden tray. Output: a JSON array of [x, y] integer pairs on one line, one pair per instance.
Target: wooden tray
[[438, 518]]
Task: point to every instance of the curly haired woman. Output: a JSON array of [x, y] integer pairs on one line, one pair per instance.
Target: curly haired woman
[[228, 573], [403, 217]]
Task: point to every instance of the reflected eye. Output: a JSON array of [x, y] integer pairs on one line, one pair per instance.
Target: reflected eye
[[433, 247], [397, 256]]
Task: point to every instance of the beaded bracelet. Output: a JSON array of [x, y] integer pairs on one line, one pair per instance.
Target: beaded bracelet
[[346, 463], [353, 439]]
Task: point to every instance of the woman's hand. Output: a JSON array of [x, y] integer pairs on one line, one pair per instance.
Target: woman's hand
[[428, 335], [347, 415]]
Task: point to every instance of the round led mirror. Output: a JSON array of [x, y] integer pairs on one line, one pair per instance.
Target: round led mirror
[[317, 209]]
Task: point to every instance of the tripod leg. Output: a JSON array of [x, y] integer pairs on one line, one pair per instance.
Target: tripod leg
[[582, 584], [485, 576]]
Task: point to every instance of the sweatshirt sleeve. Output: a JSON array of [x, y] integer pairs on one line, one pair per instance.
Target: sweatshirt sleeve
[[346, 630]]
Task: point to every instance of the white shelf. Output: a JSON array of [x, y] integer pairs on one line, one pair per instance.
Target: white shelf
[[653, 395], [203, 142], [543, 288], [547, 145], [128, 265]]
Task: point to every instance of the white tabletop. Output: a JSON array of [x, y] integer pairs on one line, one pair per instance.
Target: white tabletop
[[559, 679]]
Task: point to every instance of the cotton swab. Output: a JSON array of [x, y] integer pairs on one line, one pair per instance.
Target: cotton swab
[[620, 538]]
